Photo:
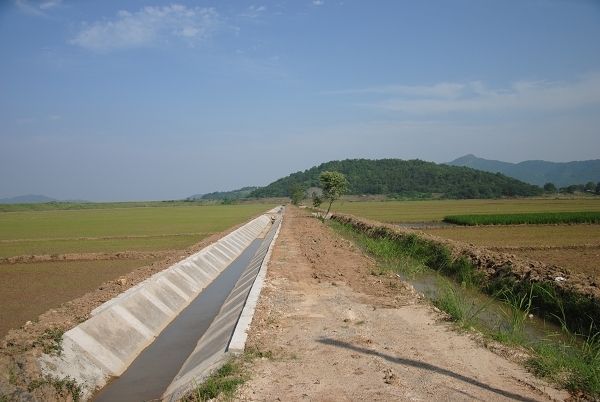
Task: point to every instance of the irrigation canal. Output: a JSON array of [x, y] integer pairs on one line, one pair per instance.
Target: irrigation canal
[[196, 340]]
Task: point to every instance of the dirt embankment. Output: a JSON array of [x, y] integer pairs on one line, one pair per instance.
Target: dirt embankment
[[330, 328], [123, 255], [20, 349]]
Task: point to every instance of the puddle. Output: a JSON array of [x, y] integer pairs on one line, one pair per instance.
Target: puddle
[[153, 370]]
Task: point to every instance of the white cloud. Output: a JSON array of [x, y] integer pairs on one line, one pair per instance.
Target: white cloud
[[38, 7], [148, 26], [474, 96], [318, 2], [253, 12]]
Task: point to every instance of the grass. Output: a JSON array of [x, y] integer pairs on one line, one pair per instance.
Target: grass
[[436, 210], [574, 364], [64, 387], [223, 382], [411, 254], [542, 218], [390, 255], [51, 341]]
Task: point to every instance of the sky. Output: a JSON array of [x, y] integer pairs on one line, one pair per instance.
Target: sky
[[152, 100]]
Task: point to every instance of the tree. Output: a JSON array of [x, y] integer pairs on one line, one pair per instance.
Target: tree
[[297, 194], [550, 188], [316, 200], [590, 186], [334, 184], [598, 188]]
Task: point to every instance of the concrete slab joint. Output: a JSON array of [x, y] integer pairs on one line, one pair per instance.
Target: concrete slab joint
[[118, 330]]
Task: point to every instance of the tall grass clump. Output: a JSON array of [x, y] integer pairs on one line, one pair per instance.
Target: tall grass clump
[[541, 218], [223, 382], [515, 308], [389, 253], [574, 364]]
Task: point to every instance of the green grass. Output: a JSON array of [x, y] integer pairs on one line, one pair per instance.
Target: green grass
[[573, 364], [116, 229], [541, 218], [391, 256], [436, 210], [222, 383], [412, 254], [65, 388]]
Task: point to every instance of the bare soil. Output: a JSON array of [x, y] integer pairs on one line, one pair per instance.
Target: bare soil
[[585, 260], [574, 247], [329, 329]]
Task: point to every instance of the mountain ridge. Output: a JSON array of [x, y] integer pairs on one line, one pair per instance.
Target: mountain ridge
[[537, 172], [404, 177]]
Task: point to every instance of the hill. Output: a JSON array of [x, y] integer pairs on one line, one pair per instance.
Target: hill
[[411, 177], [224, 195], [537, 172], [27, 199]]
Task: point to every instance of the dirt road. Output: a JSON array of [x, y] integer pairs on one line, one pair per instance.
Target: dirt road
[[331, 330]]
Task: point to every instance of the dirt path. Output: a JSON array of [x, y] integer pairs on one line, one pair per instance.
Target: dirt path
[[337, 332]]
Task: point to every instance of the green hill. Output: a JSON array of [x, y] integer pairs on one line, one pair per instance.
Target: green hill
[[224, 195], [411, 177], [562, 174]]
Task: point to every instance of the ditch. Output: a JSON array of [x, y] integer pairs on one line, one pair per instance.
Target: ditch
[[506, 314]]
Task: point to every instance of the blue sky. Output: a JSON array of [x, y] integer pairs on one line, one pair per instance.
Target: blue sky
[[139, 100]]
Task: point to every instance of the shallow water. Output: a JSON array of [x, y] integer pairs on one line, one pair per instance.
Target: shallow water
[[153, 370], [495, 315]]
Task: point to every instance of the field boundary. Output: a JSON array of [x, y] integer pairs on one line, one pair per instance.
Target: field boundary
[[73, 257], [572, 296]]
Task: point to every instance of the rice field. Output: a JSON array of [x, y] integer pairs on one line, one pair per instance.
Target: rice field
[[543, 218], [575, 247], [436, 210], [32, 288]]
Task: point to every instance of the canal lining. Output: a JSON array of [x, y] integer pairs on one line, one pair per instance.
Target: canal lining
[[109, 341]]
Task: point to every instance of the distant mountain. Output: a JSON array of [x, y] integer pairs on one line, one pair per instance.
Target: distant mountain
[[225, 195], [412, 177], [536, 172], [27, 199]]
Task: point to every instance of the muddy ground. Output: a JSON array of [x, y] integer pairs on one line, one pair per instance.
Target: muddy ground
[[332, 330]]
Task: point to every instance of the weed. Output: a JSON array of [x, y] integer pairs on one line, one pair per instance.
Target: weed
[[516, 310], [574, 364], [255, 353], [12, 376], [51, 341], [223, 382], [63, 386]]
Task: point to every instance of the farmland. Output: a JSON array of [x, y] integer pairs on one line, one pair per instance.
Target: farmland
[[436, 210], [574, 246], [81, 233]]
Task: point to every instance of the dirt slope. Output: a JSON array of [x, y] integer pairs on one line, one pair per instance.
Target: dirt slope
[[337, 332]]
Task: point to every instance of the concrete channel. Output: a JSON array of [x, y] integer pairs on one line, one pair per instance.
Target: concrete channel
[[158, 339]]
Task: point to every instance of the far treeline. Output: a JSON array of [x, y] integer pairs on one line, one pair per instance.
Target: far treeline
[[410, 178]]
